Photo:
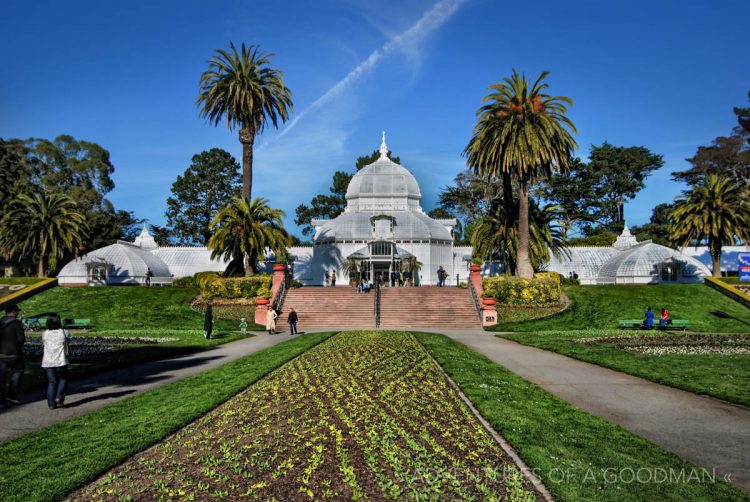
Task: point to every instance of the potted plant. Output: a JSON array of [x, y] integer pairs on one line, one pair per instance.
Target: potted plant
[[476, 264], [488, 299]]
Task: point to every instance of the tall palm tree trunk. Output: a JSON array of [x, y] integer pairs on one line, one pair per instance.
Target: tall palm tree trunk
[[42, 254], [247, 138], [524, 268], [715, 249]]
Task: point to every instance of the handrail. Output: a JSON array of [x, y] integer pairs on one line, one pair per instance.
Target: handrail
[[377, 304], [477, 304], [280, 294]]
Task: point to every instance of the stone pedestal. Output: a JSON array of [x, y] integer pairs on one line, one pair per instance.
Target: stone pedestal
[[489, 316]]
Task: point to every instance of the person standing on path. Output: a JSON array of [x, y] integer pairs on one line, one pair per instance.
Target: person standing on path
[[55, 361], [292, 319], [149, 275], [333, 278], [208, 322], [271, 320], [12, 339]]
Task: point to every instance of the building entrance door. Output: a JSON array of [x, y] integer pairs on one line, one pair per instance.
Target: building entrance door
[[382, 269]]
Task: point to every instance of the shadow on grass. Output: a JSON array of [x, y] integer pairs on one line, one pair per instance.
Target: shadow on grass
[[100, 397], [723, 315]]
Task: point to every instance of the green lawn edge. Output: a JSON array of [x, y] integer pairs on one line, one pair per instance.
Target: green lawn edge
[[720, 376], [47, 464], [568, 448], [600, 307]]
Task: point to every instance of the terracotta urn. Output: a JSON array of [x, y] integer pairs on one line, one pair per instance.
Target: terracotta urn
[[279, 267], [262, 301], [475, 268], [489, 302]]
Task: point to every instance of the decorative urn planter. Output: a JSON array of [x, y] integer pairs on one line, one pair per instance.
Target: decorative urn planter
[[475, 268], [262, 301], [279, 267], [489, 302]]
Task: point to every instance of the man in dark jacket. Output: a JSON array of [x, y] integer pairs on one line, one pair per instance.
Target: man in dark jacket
[[12, 339], [292, 320]]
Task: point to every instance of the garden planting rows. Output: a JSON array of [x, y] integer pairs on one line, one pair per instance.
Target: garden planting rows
[[364, 415]]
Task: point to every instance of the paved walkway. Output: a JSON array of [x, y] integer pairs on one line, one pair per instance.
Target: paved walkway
[[706, 431], [103, 389]]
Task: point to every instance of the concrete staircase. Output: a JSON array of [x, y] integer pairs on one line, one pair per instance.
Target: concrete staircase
[[319, 307], [426, 307], [343, 307]]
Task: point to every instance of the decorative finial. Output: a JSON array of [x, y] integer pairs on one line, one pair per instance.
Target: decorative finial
[[383, 149]]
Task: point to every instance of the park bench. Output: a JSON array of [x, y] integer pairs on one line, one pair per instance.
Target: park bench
[[681, 324], [78, 324]]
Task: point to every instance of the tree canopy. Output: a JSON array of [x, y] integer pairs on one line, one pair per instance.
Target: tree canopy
[[208, 184]]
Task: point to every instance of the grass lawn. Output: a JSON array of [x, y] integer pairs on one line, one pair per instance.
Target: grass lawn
[[49, 463], [601, 306], [157, 312], [13, 281], [578, 456], [722, 376]]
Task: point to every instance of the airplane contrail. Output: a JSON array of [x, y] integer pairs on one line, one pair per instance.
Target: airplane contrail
[[430, 21]]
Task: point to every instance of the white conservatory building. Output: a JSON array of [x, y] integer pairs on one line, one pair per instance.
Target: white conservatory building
[[382, 225], [628, 261]]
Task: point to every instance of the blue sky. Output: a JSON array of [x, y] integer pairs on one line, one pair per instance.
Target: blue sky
[[662, 74]]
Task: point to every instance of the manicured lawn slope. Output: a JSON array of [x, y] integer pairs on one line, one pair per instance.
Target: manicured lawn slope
[[130, 312], [601, 307], [124, 307], [722, 376], [47, 464], [578, 456]]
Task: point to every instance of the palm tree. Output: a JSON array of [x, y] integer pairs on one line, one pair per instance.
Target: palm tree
[[413, 265], [243, 89], [496, 233], [521, 133], [45, 225], [243, 230], [716, 211]]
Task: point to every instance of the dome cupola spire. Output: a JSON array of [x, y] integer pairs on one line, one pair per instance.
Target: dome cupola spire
[[383, 149]]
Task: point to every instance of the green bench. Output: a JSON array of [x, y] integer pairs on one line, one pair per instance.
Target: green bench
[[681, 324], [78, 324]]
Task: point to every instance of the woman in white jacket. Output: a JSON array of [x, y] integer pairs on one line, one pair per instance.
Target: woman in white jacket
[[55, 361]]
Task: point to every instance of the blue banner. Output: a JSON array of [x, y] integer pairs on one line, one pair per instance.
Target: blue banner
[[744, 266]]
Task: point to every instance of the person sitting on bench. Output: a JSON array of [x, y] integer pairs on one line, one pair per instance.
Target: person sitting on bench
[[664, 317], [648, 322]]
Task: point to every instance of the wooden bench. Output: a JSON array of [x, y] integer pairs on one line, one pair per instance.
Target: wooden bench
[[681, 324], [78, 324]]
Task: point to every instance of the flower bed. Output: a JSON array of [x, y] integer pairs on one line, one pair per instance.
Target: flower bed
[[92, 345], [542, 290], [719, 344], [365, 415]]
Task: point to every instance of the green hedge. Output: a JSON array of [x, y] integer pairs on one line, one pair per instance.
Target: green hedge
[[212, 285], [544, 289], [184, 282]]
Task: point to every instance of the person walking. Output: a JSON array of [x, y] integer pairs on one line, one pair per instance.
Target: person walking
[[333, 278], [292, 319], [327, 280], [12, 338], [149, 275], [208, 322], [55, 361], [271, 316]]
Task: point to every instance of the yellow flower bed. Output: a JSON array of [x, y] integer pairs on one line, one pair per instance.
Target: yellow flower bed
[[543, 289]]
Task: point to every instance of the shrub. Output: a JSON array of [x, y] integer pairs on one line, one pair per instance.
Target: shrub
[[295, 284], [214, 286], [511, 290], [184, 282]]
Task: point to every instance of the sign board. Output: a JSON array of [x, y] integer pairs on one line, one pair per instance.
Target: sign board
[[744, 266]]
